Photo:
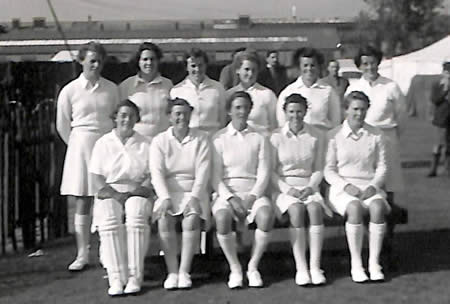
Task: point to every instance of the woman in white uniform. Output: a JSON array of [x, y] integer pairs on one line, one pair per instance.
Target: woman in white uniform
[[241, 172], [148, 90], [356, 171], [263, 114], [119, 164], [83, 116], [297, 151], [324, 108], [387, 112], [180, 167]]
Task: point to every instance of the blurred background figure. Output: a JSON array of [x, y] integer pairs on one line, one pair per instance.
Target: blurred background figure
[[228, 77], [338, 83], [273, 75], [440, 97]]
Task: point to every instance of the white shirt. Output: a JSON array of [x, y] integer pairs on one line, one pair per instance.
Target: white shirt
[[387, 103], [298, 155], [80, 106], [351, 157], [263, 114], [121, 163], [324, 108], [244, 154], [151, 98], [173, 160], [208, 100]]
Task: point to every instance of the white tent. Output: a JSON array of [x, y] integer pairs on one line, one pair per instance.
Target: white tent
[[427, 61], [65, 56]]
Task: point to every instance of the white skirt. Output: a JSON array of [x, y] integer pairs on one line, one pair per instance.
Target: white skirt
[[76, 179]]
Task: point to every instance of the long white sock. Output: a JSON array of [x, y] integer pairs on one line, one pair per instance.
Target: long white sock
[[298, 242], [315, 246], [190, 244], [228, 244], [137, 239], [112, 254], [376, 235], [355, 235], [262, 240], [82, 225], [170, 247]]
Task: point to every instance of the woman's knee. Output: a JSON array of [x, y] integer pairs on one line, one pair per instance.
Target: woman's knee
[[354, 212], [378, 211], [297, 214], [224, 221], [191, 222], [264, 218], [137, 210], [315, 213], [167, 224]]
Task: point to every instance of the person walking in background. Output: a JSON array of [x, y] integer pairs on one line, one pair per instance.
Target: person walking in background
[[324, 108], [273, 75], [148, 90], [440, 97], [338, 83], [207, 96], [83, 115], [228, 77], [387, 112], [262, 117]]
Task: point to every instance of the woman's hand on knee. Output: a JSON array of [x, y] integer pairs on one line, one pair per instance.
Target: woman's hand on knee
[[239, 210], [165, 207], [368, 193], [304, 193], [192, 207], [353, 190]]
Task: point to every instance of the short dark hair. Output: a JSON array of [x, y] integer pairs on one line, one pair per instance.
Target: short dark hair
[[358, 95], [247, 55], [269, 52], [142, 47], [93, 47], [368, 50], [177, 102], [240, 49], [295, 98], [238, 94], [446, 66], [307, 52], [195, 53], [127, 103]]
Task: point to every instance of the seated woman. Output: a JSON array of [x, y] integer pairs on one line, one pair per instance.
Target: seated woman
[[119, 164], [241, 162], [180, 164], [297, 151], [356, 171]]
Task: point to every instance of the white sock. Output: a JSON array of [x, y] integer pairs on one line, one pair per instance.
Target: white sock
[[228, 244], [82, 225], [315, 246], [112, 254], [298, 242], [355, 235], [190, 245], [376, 235], [169, 245], [262, 240], [137, 239]]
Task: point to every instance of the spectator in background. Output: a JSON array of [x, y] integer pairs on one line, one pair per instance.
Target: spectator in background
[[207, 96], [339, 84], [440, 97], [273, 75], [228, 77], [148, 90]]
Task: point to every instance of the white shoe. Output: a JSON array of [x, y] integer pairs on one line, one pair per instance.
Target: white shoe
[[133, 286], [302, 278], [317, 277], [359, 275], [254, 279], [375, 273], [116, 288], [184, 280], [79, 264], [171, 281], [235, 280]]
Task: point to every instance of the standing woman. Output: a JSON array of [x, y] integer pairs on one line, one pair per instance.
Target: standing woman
[[356, 170], [207, 96], [262, 117], [324, 108], [387, 111], [180, 164], [148, 90], [241, 172], [119, 163], [83, 116], [297, 151]]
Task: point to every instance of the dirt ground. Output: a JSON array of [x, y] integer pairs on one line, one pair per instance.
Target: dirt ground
[[421, 273]]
